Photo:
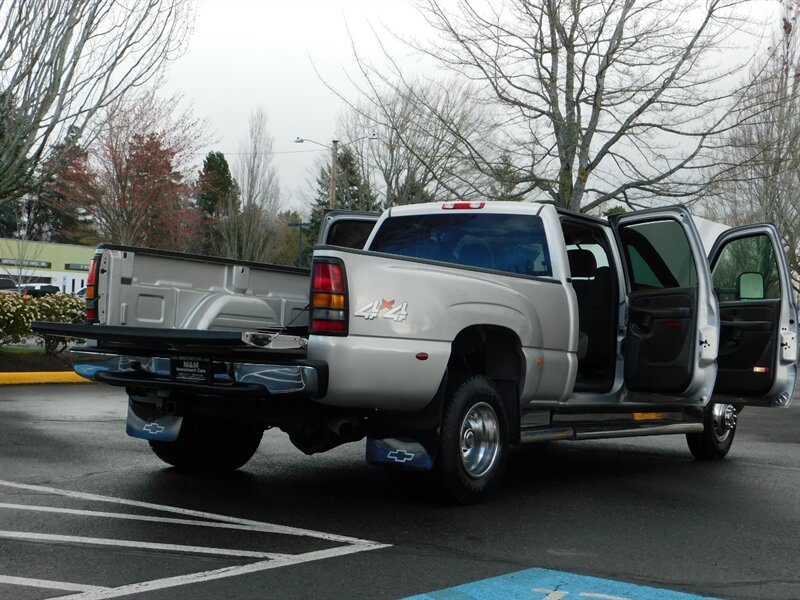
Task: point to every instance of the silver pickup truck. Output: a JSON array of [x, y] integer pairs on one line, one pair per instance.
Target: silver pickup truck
[[447, 333]]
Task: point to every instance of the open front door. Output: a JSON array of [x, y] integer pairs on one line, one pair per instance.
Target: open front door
[[672, 328], [758, 335]]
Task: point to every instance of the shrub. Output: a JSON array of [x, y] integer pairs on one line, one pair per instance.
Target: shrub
[[17, 313]]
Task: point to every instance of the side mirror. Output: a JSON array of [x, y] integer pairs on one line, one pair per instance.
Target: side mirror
[[750, 286]]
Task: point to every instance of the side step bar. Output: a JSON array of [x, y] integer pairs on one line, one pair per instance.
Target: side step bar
[[547, 434]]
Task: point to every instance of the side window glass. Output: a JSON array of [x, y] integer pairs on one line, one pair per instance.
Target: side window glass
[[659, 256], [746, 269], [349, 234]]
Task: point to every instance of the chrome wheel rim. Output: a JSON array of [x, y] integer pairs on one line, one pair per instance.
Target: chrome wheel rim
[[480, 440], [723, 421]]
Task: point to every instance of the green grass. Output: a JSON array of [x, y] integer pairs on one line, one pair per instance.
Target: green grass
[[18, 350]]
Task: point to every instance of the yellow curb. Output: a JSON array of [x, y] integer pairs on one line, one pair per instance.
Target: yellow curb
[[42, 377]]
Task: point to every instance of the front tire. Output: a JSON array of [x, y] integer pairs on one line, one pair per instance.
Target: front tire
[[473, 441], [207, 446], [716, 440]]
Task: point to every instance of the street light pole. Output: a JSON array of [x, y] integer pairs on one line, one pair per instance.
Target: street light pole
[[334, 161]]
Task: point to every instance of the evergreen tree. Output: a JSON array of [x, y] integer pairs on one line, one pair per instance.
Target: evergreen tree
[[8, 221], [52, 217], [215, 185], [505, 180], [352, 191], [410, 191]]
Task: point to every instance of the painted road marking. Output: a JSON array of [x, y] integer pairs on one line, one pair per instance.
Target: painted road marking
[[545, 584], [266, 560], [93, 541], [253, 525], [49, 584], [130, 517]]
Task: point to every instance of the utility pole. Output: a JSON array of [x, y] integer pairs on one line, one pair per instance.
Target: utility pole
[[332, 192], [334, 148]]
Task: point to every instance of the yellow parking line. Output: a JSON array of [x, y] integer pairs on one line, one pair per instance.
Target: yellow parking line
[[42, 377]]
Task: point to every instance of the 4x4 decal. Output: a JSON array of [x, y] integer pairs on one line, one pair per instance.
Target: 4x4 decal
[[383, 309]]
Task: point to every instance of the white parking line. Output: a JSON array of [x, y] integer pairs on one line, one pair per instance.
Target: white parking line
[[131, 517], [160, 584], [254, 525], [266, 560], [50, 585], [93, 541]]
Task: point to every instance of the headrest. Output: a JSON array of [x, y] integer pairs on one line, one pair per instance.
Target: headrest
[[581, 262]]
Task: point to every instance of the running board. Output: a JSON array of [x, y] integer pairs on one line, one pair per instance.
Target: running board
[[573, 433]]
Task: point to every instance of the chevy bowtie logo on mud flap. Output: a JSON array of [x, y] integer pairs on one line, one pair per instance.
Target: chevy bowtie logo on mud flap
[[154, 428], [404, 454], [400, 456]]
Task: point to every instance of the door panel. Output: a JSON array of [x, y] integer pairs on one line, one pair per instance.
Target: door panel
[[747, 342], [658, 344], [758, 349], [673, 320]]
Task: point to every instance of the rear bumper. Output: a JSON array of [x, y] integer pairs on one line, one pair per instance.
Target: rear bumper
[[307, 378]]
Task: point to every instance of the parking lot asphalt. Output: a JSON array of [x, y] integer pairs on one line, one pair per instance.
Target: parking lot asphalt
[[88, 513]]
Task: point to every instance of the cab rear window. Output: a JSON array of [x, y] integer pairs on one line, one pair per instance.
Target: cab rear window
[[509, 243]]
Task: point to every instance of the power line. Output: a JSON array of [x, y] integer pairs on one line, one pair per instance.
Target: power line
[[266, 153]]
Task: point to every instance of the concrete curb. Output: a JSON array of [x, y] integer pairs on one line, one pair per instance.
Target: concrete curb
[[42, 377]]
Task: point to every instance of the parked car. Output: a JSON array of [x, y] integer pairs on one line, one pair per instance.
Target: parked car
[[38, 289], [7, 286]]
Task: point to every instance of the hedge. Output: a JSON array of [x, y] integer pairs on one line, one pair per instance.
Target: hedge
[[17, 312]]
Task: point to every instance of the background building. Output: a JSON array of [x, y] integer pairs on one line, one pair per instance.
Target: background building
[[25, 262]]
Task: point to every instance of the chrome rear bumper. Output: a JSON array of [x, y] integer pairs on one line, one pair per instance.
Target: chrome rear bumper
[[236, 377]]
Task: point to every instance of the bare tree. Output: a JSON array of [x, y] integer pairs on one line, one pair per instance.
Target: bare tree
[[24, 252], [418, 154], [255, 173], [245, 229], [63, 60], [594, 100], [758, 170]]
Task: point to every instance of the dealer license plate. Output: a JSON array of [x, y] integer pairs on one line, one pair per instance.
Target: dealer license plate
[[196, 370]]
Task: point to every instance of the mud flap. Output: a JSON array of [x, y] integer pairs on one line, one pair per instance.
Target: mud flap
[[398, 452], [145, 423]]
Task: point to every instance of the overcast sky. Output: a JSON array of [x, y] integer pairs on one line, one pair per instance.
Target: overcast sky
[[249, 53]]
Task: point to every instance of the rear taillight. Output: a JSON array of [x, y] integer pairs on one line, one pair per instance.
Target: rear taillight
[[91, 290], [328, 298]]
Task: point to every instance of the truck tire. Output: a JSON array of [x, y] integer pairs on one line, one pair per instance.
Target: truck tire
[[473, 441], [206, 446], [717, 437]]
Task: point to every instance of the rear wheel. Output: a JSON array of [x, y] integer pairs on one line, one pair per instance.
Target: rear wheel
[[473, 441], [204, 445], [717, 437]]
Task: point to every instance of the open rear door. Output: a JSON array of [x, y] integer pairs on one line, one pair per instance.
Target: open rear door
[[672, 328], [346, 228], [758, 336]]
